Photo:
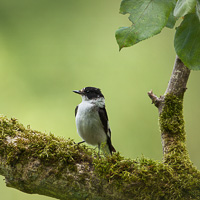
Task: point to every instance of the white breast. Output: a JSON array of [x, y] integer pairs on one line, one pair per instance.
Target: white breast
[[89, 125]]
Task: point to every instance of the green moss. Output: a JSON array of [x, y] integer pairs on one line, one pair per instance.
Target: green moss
[[18, 143], [142, 178], [147, 179], [171, 118], [173, 133], [175, 178]]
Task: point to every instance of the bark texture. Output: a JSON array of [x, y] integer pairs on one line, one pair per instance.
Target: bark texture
[[170, 107]]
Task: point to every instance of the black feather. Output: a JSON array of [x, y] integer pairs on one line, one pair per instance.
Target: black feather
[[110, 146], [104, 119], [76, 109], [92, 92]]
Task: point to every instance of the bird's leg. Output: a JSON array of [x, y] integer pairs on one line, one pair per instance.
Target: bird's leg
[[81, 142]]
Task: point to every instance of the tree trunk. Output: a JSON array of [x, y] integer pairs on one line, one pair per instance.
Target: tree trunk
[[34, 162]]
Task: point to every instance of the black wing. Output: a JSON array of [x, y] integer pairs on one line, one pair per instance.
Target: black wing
[[104, 118], [76, 109]]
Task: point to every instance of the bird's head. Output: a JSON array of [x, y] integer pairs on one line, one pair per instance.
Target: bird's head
[[90, 93]]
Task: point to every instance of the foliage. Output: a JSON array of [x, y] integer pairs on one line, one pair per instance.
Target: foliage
[[184, 7], [187, 41], [149, 17]]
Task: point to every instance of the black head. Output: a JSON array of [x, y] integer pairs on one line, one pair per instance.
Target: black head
[[90, 92]]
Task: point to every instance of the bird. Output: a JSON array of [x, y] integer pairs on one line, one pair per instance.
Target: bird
[[92, 119]]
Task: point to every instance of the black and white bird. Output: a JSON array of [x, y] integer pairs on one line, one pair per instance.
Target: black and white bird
[[92, 119]]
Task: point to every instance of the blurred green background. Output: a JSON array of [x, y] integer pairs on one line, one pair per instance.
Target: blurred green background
[[49, 48]]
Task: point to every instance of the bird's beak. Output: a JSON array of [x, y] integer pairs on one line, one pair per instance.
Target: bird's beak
[[78, 92]]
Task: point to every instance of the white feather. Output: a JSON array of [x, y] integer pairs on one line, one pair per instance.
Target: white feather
[[88, 122]]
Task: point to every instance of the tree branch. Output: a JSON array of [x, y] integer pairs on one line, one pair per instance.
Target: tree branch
[[178, 80], [34, 162], [155, 100], [171, 116]]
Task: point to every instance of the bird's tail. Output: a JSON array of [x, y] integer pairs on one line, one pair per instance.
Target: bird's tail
[[107, 148], [110, 146]]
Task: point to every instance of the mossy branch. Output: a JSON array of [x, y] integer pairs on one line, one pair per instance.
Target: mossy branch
[[34, 162], [170, 107]]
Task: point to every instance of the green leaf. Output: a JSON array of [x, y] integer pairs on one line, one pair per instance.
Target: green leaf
[[184, 7], [187, 41], [171, 21], [198, 9], [148, 18], [126, 36]]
